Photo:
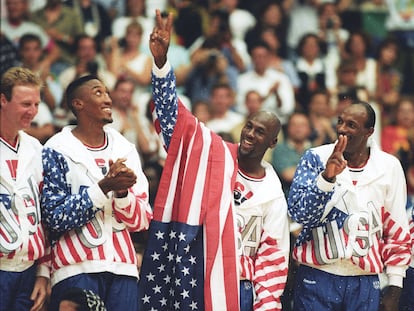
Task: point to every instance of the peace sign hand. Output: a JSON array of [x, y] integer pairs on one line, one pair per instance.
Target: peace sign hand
[[336, 162], [160, 38]]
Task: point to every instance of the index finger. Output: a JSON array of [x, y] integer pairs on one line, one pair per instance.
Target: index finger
[[158, 19], [341, 144]]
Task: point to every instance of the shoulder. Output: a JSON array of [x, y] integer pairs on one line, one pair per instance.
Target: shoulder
[[383, 158], [59, 138], [30, 140], [319, 154]]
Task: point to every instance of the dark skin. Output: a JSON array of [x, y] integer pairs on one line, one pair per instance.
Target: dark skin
[[351, 150], [258, 134], [261, 129], [93, 111]]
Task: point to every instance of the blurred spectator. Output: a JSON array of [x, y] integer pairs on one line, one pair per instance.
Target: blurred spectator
[[311, 68], [223, 119], [390, 79], [278, 62], [357, 48], [346, 87], [270, 15], [374, 14], [331, 33], [400, 24], [272, 85], [96, 22], [395, 137], [303, 19], [189, 21], [135, 11], [113, 8], [152, 171], [31, 55], [218, 36], [126, 118], [210, 67], [240, 20], [320, 117], [127, 60], [16, 25], [286, 155], [62, 24], [201, 110], [88, 61], [8, 54]]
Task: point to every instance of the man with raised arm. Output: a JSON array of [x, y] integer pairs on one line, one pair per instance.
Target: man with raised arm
[[219, 239]]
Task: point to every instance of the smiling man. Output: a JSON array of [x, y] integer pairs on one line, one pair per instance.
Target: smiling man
[[94, 194], [23, 282], [350, 198], [224, 204]]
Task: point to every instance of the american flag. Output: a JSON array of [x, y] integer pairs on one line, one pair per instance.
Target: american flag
[[174, 273], [190, 262]]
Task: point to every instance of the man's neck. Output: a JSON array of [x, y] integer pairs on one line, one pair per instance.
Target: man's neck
[[9, 135], [252, 168], [357, 159], [90, 136]]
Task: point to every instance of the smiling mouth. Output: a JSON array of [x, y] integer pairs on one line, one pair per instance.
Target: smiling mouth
[[107, 109], [245, 144]]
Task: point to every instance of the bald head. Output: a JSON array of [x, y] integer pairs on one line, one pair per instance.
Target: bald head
[[269, 120]]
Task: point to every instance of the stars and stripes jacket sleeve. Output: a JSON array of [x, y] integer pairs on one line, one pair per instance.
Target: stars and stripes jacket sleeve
[[165, 101], [271, 264], [63, 210], [309, 192]]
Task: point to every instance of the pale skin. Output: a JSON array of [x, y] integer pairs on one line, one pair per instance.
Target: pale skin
[[16, 115]]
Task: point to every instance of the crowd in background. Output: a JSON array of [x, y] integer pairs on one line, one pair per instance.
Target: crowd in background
[[303, 59]]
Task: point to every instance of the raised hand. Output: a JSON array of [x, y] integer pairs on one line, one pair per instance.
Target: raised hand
[[336, 162], [160, 38]]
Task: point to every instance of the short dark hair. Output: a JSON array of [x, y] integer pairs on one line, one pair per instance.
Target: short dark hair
[[258, 44], [29, 37], [370, 123], [71, 90]]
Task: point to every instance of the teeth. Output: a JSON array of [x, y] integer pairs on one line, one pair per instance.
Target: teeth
[[107, 109]]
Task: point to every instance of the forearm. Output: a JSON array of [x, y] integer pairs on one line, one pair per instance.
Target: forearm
[[305, 199], [63, 210], [165, 99]]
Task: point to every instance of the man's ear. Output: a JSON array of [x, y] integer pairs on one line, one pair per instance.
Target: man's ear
[[3, 100], [273, 143], [77, 104], [370, 132]]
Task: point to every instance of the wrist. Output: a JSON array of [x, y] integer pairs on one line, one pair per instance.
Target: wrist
[[328, 179], [121, 194]]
